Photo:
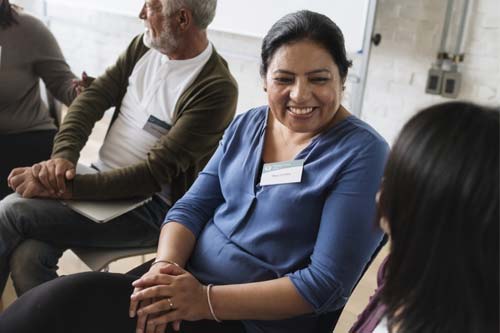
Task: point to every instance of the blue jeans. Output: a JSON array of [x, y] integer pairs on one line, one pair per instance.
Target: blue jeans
[[35, 232]]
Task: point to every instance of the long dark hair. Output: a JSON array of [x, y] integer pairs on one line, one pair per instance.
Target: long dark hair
[[302, 25], [440, 196], [7, 14]]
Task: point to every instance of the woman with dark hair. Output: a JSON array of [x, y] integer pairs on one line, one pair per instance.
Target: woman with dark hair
[[440, 205], [273, 233], [28, 53]]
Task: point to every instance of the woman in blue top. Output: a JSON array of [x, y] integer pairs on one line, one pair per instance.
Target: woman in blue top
[[275, 231]]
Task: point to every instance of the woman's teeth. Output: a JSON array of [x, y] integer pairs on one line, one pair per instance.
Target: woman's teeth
[[300, 110]]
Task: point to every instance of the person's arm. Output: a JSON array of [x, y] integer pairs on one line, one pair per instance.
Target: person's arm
[[106, 91], [51, 66], [193, 136]]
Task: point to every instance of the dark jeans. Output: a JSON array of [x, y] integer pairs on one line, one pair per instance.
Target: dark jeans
[[21, 150], [88, 303]]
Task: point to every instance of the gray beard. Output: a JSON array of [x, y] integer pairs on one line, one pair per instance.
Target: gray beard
[[165, 38]]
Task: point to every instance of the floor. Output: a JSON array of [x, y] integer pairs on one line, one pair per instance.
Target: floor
[[69, 263]]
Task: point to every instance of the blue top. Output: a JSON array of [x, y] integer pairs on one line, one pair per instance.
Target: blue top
[[320, 232]]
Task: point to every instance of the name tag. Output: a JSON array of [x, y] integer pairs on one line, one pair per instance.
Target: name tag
[[282, 172], [156, 127]]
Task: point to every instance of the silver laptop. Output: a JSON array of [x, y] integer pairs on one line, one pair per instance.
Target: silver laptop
[[102, 211]]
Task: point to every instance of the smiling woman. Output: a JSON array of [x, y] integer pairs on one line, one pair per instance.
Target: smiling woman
[[271, 235]]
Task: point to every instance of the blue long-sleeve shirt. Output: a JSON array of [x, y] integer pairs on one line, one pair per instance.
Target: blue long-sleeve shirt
[[320, 233]]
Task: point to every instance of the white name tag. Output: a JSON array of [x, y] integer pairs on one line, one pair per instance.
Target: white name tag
[[282, 173]]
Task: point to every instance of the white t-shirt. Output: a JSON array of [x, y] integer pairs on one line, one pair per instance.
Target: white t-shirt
[[155, 85]]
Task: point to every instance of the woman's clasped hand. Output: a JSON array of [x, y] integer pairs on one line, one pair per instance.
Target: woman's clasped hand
[[166, 294]]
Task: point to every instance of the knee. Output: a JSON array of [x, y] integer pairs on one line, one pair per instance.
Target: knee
[[30, 259], [13, 208]]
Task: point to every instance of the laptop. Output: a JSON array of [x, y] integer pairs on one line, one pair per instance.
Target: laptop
[[102, 211]]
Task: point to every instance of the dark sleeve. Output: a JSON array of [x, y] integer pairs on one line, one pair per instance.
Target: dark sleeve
[[106, 91], [194, 135]]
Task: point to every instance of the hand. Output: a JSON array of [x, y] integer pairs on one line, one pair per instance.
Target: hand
[[53, 174], [21, 180], [172, 285], [135, 304], [84, 82]]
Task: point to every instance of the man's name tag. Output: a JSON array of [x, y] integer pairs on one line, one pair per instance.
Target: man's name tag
[[156, 127], [282, 172]]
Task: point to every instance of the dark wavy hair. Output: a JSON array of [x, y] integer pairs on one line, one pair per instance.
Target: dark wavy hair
[[440, 197], [305, 25], [7, 14]]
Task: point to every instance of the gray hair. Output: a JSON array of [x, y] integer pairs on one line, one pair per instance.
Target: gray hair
[[203, 11]]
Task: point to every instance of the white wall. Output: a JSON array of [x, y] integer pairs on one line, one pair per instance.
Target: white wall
[[411, 33], [397, 74], [92, 40]]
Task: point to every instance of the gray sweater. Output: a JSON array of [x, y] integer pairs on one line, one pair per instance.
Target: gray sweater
[[30, 52]]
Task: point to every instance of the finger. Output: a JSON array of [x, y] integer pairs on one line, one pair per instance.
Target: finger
[[15, 172], [20, 189], [177, 325], [43, 177], [70, 173], [161, 328], [165, 318], [155, 308], [84, 76], [52, 176], [141, 320], [16, 181], [153, 280], [150, 326], [172, 270], [60, 172], [35, 170], [132, 310], [160, 291]]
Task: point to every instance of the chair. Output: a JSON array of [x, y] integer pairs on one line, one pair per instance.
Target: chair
[[98, 259], [328, 321], [53, 105]]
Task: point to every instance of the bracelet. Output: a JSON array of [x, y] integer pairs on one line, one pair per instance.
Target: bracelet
[[210, 304], [165, 262]]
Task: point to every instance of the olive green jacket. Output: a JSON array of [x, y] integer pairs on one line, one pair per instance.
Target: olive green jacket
[[202, 113]]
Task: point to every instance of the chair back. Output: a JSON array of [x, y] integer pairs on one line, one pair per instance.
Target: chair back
[[53, 105]]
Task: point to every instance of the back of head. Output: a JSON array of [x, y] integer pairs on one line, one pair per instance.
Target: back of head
[[203, 11], [7, 14], [305, 25], [440, 197]]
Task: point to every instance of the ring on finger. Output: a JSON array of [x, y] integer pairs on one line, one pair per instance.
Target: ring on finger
[[170, 303]]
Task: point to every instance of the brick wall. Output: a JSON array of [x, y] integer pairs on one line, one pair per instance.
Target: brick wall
[[411, 33]]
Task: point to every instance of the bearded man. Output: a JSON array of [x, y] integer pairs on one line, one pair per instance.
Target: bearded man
[[173, 97]]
